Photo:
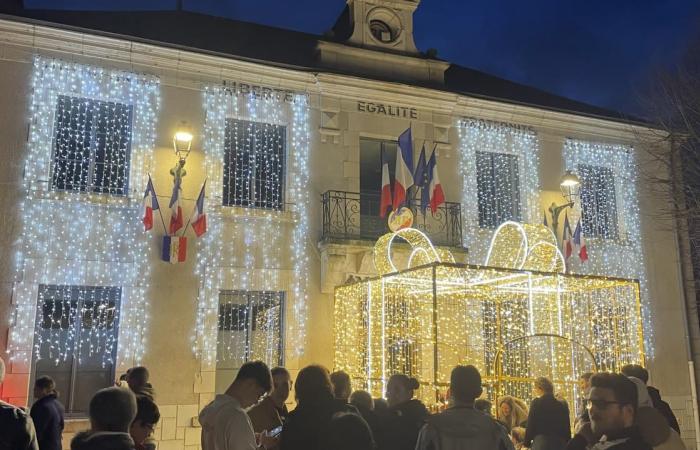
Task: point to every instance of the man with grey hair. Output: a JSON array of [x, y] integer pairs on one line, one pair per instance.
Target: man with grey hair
[[16, 425], [112, 410]]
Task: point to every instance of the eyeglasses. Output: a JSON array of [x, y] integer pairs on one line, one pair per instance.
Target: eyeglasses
[[599, 404]]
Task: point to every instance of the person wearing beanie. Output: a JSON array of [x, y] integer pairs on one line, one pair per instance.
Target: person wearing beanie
[[112, 410], [461, 425]]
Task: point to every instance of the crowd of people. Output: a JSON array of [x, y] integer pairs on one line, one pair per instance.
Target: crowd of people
[[616, 412]]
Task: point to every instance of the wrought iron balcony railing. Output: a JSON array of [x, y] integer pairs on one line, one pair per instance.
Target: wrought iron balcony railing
[[355, 216]]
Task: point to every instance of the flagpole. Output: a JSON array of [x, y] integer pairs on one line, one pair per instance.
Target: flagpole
[[160, 212]]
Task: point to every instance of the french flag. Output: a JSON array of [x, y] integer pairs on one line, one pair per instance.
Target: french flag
[[175, 209], [566, 238], [385, 200], [579, 243], [150, 203], [199, 218], [437, 196], [174, 249], [404, 168]]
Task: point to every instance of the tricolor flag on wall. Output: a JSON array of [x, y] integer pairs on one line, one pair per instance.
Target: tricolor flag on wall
[[566, 247], [150, 204], [579, 243], [174, 249], [437, 196], [175, 209], [404, 168], [199, 218], [421, 179]]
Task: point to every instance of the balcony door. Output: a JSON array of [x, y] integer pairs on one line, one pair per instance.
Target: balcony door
[[372, 154]]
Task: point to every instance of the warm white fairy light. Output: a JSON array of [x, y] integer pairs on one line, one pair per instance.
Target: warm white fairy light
[[617, 252], [82, 225], [265, 227], [484, 144]]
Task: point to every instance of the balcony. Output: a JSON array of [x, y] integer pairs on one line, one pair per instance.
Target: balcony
[[355, 216]]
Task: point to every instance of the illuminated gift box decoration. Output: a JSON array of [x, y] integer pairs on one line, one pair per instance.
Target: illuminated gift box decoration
[[516, 318]]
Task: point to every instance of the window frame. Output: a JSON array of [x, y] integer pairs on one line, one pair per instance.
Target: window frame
[[250, 297], [253, 203], [516, 183], [77, 324], [593, 228], [90, 187]]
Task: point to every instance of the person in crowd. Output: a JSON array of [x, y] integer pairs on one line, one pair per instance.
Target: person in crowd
[[47, 413], [341, 385], [16, 425], [461, 426], [512, 412], [637, 371], [651, 424], [381, 406], [307, 427], [483, 405], [363, 401], [111, 410], [147, 417], [272, 411], [349, 431], [137, 379], [517, 436], [225, 424], [548, 426], [585, 387], [612, 406], [405, 416]]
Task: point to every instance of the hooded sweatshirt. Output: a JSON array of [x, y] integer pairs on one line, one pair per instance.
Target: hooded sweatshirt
[[102, 440], [462, 427], [226, 426]]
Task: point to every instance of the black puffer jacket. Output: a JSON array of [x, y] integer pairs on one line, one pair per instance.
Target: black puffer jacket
[[664, 408], [17, 429], [401, 426], [102, 440], [307, 426]]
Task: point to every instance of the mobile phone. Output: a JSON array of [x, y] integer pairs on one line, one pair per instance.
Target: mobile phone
[[275, 431]]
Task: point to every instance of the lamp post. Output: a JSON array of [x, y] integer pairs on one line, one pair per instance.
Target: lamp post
[[570, 186], [182, 145]]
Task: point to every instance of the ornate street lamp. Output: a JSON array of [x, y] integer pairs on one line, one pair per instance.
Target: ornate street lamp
[[182, 145], [570, 186]]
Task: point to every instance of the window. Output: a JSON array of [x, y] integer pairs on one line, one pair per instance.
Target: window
[[250, 327], [92, 144], [598, 201], [498, 188], [373, 154], [254, 164], [76, 340]]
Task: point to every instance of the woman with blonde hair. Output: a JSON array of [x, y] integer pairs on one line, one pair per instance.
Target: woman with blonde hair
[[512, 412]]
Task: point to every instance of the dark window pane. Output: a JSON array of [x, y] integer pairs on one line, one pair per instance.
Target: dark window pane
[[498, 188], [92, 142], [254, 163], [598, 202]]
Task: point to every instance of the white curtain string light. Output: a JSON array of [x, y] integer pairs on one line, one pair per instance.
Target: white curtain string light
[[613, 216], [250, 141], [90, 147], [511, 191]]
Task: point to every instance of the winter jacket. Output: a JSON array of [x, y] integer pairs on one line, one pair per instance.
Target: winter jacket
[[549, 420], [307, 426], [462, 428], [373, 420], [401, 425], [102, 440], [47, 414], [627, 439], [17, 429], [518, 412], [226, 426], [664, 408]]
